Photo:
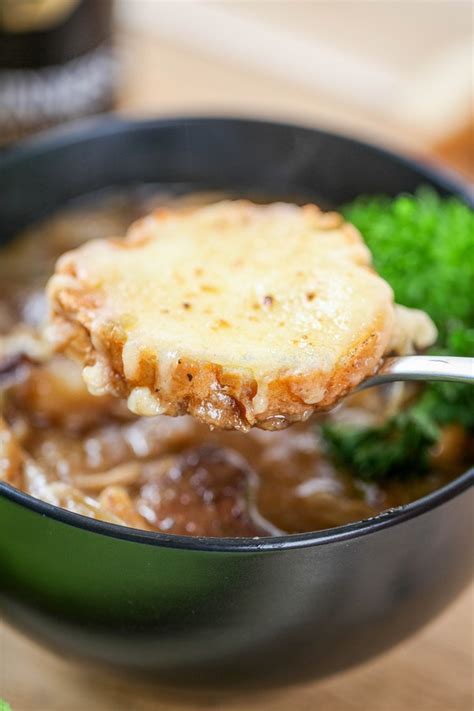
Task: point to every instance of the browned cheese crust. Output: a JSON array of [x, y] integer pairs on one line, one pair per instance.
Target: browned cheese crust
[[89, 325]]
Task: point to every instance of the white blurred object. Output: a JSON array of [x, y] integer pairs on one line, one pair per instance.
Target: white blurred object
[[404, 59]]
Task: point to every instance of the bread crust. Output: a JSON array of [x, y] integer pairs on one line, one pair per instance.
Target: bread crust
[[227, 398]]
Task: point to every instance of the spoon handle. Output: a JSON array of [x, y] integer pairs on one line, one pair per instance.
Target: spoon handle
[[423, 367]]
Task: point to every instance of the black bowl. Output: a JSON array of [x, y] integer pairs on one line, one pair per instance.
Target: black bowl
[[214, 612]]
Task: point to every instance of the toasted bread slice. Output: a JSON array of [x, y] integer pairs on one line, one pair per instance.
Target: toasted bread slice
[[239, 314]]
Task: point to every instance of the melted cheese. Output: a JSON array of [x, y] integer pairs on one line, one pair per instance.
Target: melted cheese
[[262, 291]]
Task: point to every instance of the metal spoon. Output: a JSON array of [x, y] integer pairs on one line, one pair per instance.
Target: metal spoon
[[423, 367]]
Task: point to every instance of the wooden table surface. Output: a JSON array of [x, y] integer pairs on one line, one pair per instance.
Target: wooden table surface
[[432, 671]]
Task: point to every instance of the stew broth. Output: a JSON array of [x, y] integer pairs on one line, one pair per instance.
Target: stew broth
[[92, 456]]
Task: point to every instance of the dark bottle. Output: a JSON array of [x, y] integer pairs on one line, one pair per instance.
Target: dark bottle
[[56, 63]]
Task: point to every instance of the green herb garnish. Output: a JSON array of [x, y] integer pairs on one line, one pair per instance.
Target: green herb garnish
[[423, 245]]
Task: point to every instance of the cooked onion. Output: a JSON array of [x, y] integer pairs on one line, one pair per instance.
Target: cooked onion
[[123, 474]]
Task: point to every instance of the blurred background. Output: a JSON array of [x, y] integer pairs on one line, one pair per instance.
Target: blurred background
[[398, 72]]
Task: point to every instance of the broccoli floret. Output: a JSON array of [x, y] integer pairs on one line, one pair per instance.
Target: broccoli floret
[[423, 245], [398, 448]]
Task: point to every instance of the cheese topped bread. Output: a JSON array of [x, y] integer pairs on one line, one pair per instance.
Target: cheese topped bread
[[240, 314]]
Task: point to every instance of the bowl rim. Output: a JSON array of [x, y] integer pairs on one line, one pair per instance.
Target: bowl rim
[[97, 127], [112, 123], [386, 519]]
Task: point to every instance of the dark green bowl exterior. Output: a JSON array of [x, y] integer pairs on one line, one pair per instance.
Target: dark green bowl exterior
[[221, 612]]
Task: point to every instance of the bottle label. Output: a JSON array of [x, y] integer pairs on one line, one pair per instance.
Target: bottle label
[[34, 99]]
